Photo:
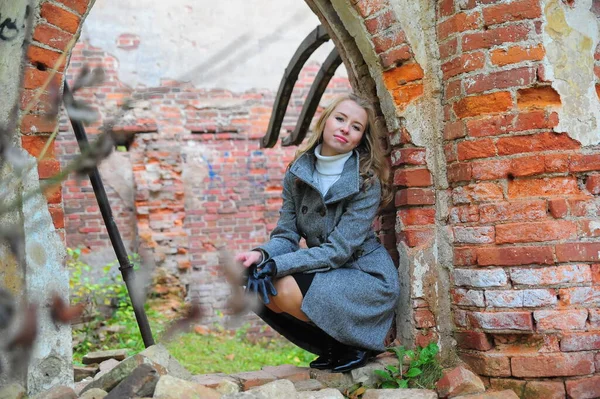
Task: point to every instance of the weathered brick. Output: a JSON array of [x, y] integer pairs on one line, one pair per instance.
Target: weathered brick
[[552, 320], [464, 297], [389, 39], [459, 172], [58, 216], [535, 119], [588, 387], [37, 124], [544, 389], [590, 228], [490, 125], [575, 342], [454, 130], [471, 149], [408, 156], [35, 144], [448, 49], [570, 274], [520, 298], [526, 166], [380, 22], [474, 235], [60, 17], [79, 6], [552, 365], [394, 55], [416, 237], [547, 187], [465, 256], [412, 177], [481, 278], [592, 184], [463, 63], [483, 104], [460, 22], [495, 36], [416, 216], [594, 319], [535, 142], [583, 252], [502, 384], [513, 256], [535, 231], [368, 7], [514, 210], [401, 75], [415, 196], [584, 162], [458, 382], [48, 168], [499, 80], [538, 97], [445, 8], [473, 340], [580, 295], [424, 318], [477, 192], [464, 214], [450, 152], [516, 54], [488, 364], [557, 207], [493, 321], [51, 36], [403, 95], [513, 11]]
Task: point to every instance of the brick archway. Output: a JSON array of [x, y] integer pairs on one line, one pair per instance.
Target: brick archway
[[497, 177]]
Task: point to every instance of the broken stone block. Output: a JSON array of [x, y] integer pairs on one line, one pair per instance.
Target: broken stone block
[[506, 394], [251, 379], [459, 381], [141, 382], [328, 393], [100, 356], [94, 393], [169, 387], [105, 367], [79, 373], [113, 377], [159, 354], [366, 374], [308, 385], [277, 389], [228, 386], [12, 391], [220, 381], [288, 372], [245, 395], [331, 380], [400, 394], [59, 392]]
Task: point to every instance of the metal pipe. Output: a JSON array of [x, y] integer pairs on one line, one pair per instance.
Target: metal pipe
[[113, 231]]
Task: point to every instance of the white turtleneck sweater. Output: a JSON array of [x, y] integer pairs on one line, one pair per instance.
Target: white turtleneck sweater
[[328, 169]]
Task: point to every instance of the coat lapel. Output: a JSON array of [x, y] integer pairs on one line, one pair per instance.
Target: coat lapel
[[348, 183]]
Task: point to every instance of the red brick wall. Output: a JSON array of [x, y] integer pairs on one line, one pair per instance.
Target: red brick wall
[[526, 284], [55, 28]]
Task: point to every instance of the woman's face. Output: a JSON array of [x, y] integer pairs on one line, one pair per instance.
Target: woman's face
[[344, 128]]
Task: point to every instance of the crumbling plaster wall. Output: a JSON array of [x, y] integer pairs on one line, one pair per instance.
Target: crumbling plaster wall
[[570, 36]]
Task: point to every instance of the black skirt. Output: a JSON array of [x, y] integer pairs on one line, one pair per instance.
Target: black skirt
[[304, 280]]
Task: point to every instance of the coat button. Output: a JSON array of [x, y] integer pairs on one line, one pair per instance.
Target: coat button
[[304, 209], [322, 212]]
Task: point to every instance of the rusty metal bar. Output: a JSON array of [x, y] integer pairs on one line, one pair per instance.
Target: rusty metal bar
[[313, 98], [126, 267], [307, 47]]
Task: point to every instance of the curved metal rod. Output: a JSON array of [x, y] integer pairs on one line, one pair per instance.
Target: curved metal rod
[[308, 46], [313, 98]]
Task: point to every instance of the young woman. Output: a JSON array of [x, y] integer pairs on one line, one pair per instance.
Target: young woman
[[337, 297]]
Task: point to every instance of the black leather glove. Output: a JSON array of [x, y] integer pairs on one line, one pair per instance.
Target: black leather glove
[[260, 281]]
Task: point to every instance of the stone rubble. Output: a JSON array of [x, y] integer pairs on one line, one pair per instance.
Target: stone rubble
[[154, 373]]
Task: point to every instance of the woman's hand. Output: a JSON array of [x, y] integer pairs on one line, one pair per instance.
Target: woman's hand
[[249, 258]]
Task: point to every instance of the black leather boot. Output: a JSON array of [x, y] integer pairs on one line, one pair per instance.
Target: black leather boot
[[352, 358], [328, 359]]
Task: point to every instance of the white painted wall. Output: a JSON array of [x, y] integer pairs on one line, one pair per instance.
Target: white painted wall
[[234, 44]]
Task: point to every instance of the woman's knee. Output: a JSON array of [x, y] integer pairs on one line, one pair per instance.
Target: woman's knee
[[288, 294]]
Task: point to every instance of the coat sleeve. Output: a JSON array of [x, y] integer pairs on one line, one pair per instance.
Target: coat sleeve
[[350, 232], [285, 237]]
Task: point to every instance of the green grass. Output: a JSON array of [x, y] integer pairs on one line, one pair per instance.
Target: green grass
[[230, 353]]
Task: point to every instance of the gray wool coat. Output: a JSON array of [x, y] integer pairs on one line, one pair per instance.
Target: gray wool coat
[[355, 290]]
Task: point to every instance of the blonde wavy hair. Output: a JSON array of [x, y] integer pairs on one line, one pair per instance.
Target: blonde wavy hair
[[372, 160]]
